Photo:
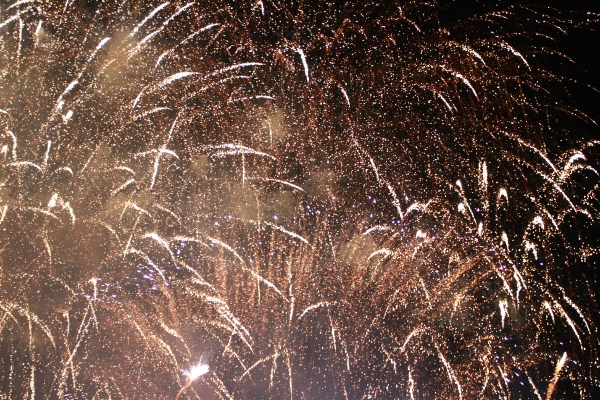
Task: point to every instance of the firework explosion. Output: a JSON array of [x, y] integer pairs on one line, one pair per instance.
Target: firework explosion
[[271, 200]]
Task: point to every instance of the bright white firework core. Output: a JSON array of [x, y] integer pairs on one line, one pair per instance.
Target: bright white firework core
[[196, 371]]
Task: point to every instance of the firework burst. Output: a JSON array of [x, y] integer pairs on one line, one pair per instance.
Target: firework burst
[[332, 200]]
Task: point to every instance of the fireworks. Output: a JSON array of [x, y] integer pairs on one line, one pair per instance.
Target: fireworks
[[345, 201]]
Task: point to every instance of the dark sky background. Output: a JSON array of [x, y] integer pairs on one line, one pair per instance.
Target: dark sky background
[[582, 45]]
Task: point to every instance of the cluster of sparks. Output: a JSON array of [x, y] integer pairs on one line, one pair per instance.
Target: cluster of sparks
[[318, 200]]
